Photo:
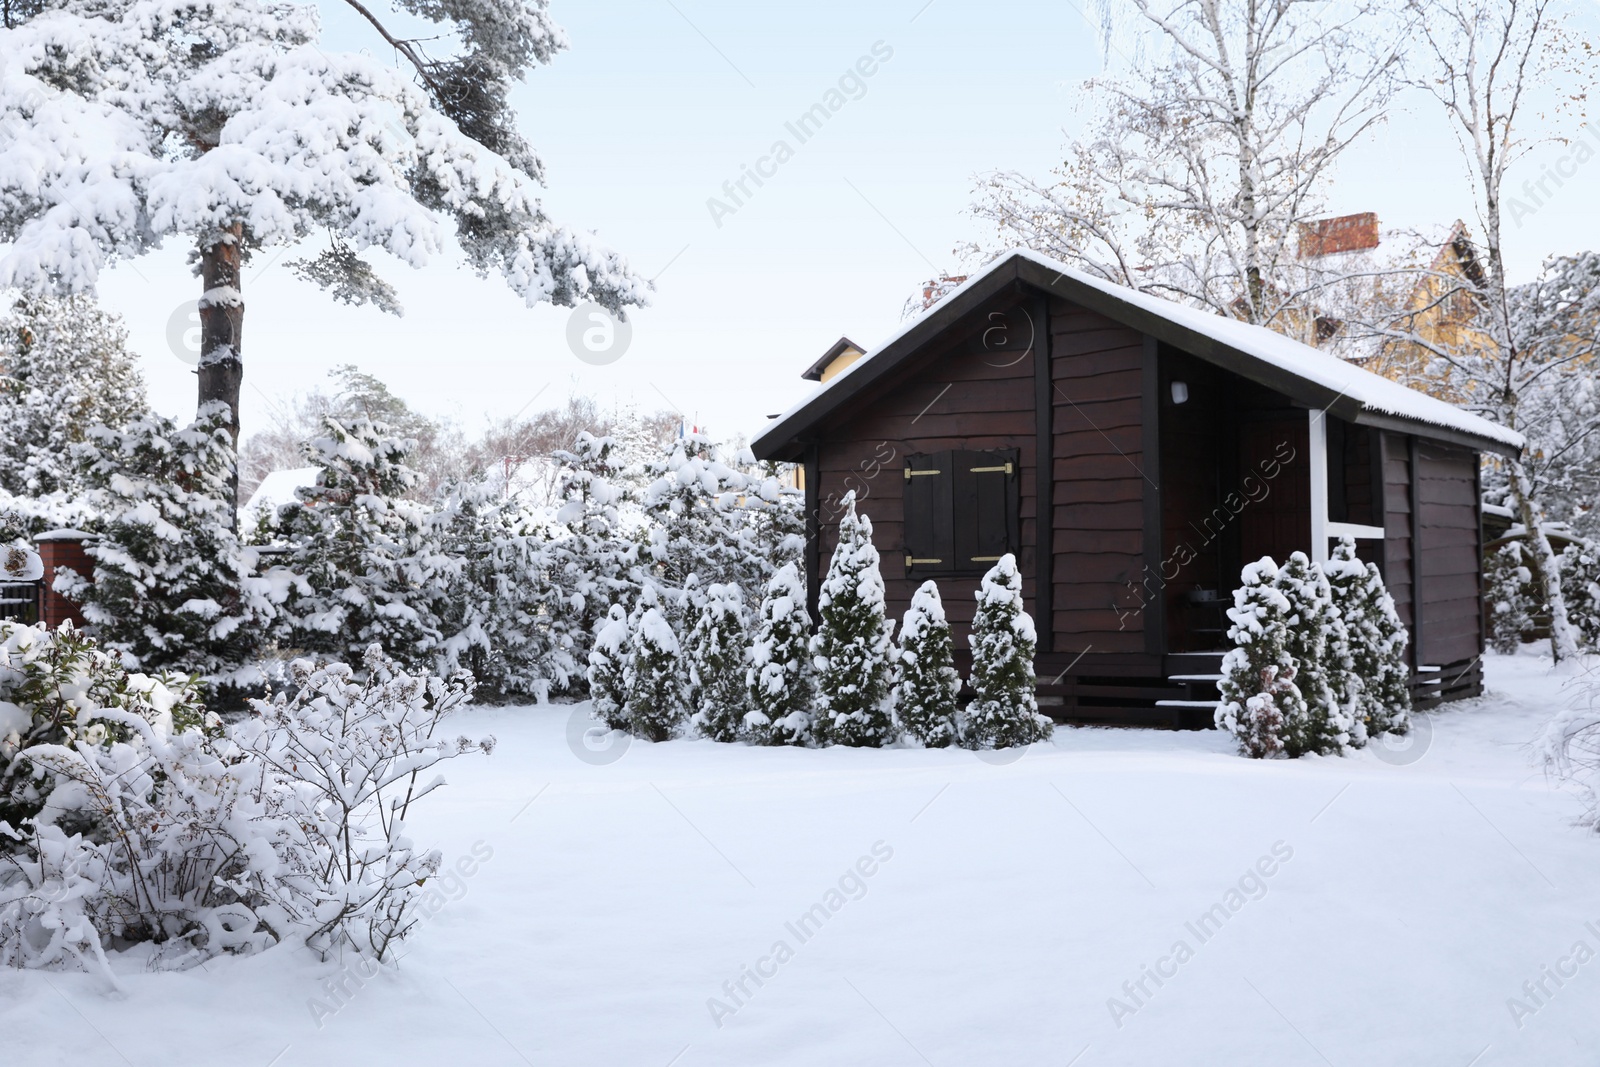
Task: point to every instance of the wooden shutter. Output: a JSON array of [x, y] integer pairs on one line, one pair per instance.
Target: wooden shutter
[[985, 514], [929, 541]]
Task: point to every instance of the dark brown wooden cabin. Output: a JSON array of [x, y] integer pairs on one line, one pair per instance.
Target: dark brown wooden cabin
[[1134, 454]]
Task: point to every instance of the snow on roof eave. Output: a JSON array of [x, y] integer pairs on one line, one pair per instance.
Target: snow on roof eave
[[1373, 392]]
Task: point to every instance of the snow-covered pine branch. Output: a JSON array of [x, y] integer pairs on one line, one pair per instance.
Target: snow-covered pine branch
[[119, 130]]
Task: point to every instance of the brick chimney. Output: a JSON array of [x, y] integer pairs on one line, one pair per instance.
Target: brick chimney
[[1347, 233]]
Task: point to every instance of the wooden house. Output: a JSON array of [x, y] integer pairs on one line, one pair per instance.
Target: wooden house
[[1134, 454]]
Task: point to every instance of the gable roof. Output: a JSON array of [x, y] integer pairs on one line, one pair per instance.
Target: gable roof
[[840, 347], [1254, 352]]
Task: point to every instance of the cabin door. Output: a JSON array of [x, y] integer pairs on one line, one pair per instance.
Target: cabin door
[[1274, 487]]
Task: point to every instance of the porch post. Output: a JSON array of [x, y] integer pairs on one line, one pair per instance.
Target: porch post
[[1318, 458]]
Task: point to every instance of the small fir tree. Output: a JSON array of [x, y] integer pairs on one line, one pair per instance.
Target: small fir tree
[[929, 687], [718, 647], [171, 585], [1259, 695], [608, 661], [778, 679], [370, 562], [1364, 605], [1315, 641], [1507, 581], [1004, 712], [1346, 581], [503, 619], [1580, 586], [851, 647], [593, 564], [1390, 685], [655, 699], [64, 368]]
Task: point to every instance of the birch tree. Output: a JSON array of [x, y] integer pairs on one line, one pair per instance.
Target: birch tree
[[124, 123], [1205, 156], [1492, 66]]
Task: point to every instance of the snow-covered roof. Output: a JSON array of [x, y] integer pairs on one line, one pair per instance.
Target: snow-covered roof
[[1200, 332], [277, 488]]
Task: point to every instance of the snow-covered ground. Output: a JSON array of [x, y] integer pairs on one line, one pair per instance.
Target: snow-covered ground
[[1008, 903]]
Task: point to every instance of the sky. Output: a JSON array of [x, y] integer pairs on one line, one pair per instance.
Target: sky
[[654, 107]]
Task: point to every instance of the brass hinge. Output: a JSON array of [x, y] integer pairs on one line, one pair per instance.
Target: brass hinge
[[986, 559], [1007, 469], [910, 474], [912, 562]]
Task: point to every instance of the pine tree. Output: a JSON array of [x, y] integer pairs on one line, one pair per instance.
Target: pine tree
[[779, 680], [608, 661], [718, 649], [1259, 695], [170, 586], [1004, 712], [655, 707], [929, 688], [64, 368], [1380, 688], [1316, 634], [851, 646], [370, 563]]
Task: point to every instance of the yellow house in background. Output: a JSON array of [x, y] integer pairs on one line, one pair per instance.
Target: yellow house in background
[[1440, 311]]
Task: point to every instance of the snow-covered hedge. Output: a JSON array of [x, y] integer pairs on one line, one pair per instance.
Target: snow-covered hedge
[[130, 815]]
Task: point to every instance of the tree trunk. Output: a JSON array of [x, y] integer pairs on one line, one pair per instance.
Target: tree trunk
[[221, 333], [1563, 639]]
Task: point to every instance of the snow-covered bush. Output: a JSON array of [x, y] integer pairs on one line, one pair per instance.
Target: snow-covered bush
[[1508, 582], [342, 761], [129, 814], [1376, 641], [926, 697], [1569, 744], [502, 619], [1344, 579], [593, 563], [1259, 695], [651, 677], [778, 679], [125, 815], [718, 647], [851, 647], [1580, 587], [171, 584], [1316, 642], [608, 662], [696, 523], [66, 368], [368, 563], [1004, 712]]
